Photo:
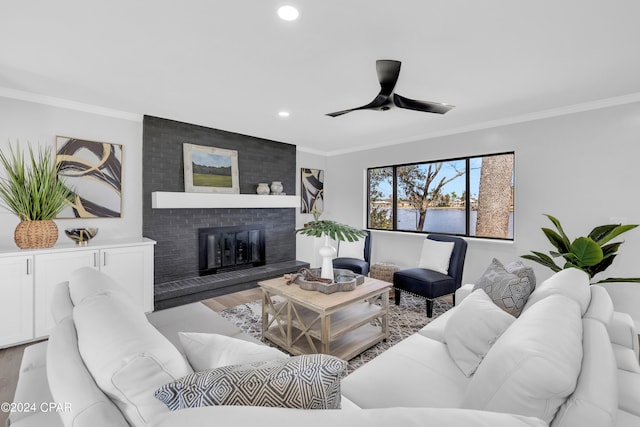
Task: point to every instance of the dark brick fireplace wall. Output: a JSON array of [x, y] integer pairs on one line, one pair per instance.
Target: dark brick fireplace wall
[[176, 230]]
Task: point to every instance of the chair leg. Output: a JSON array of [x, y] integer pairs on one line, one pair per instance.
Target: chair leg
[[454, 299], [396, 295], [429, 308]]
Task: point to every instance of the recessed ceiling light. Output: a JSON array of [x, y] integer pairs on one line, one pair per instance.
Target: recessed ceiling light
[[288, 13], [283, 113]]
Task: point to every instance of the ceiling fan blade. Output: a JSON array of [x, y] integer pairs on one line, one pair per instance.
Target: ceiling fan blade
[[425, 106], [388, 71], [378, 102]]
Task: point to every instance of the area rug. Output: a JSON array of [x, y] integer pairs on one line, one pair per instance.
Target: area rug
[[404, 320]]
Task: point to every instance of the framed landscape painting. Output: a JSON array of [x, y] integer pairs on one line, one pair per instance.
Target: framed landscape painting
[[94, 171], [210, 170]]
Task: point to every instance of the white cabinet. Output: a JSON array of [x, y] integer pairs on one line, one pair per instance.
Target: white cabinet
[[131, 267], [28, 278], [16, 299]]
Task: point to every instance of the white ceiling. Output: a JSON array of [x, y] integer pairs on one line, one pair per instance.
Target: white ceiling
[[233, 65]]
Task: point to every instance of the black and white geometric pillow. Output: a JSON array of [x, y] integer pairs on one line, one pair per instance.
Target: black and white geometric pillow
[[304, 382]]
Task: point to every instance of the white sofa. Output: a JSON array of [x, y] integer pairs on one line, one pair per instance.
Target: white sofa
[[414, 383], [568, 359]]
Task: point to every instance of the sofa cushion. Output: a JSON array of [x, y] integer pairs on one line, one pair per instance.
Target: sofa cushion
[[128, 358], [600, 306], [436, 255], [194, 317], [595, 399], [534, 365], [472, 329], [61, 305], [209, 351], [570, 282], [70, 383], [304, 382], [507, 290], [629, 387], [416, 372], [85, 282]]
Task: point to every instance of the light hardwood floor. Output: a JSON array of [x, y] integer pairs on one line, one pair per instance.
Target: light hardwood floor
[[10, 358]]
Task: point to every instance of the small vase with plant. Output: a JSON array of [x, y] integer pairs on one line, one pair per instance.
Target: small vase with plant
[[30, 188], [592, 254], [330, 230]]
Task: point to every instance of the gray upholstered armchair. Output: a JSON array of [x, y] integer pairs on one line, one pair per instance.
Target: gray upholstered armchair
[[432, 284]]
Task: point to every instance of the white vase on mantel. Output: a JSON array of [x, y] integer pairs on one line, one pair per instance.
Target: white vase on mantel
[[327, 252], [263, 188]]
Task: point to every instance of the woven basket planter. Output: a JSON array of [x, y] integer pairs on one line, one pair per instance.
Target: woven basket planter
[[36, 234]]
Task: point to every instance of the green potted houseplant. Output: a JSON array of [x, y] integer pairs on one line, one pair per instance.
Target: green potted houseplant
[[330, 230], [30, 188], [592, 254]]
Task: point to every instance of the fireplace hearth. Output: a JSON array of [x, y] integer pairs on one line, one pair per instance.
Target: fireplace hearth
[[230, 248]]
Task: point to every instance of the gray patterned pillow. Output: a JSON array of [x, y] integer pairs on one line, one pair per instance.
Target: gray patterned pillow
[[304, 382], [519, 269], [508, 291]]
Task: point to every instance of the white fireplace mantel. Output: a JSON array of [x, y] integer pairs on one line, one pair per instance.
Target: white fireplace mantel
[[177, 200]]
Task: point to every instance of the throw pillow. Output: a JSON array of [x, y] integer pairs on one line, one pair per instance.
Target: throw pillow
[[519, 269], [436, 255], [127, 357], [209, 351], [351, 249], [473, 327], [304, 382], [507, 290]]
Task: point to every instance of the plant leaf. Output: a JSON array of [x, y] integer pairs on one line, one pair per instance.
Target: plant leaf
[[565, 239], [587, 252], [543, 259], [556, 240], [613, 232], [620, 279]]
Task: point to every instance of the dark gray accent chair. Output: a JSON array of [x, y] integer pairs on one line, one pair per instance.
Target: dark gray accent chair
[[356, 265], [432, 284]]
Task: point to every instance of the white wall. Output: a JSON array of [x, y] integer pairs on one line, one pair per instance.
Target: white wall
[[581, 168], [39, 124]]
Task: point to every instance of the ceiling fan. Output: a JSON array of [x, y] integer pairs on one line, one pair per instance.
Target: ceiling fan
[[388, 71]]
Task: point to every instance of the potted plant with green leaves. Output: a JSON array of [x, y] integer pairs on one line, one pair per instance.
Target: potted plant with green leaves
[[31, 189], [330, 230], [592, 254]]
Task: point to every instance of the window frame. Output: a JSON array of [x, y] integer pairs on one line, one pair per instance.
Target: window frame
[[467, 175]]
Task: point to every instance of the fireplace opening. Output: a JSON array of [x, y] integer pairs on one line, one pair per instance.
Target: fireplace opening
[[230, 248]]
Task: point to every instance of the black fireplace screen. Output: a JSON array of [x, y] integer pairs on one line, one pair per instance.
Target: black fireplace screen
[[230, 248]]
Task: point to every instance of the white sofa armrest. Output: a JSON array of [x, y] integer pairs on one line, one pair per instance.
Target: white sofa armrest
[[622, 331], [463, 291]]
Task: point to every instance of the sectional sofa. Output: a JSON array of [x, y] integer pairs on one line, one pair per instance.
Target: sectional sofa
[[568, 360]]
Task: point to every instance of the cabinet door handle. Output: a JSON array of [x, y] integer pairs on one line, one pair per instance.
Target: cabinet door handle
[[95, 260], [104, 259], [28, 267]]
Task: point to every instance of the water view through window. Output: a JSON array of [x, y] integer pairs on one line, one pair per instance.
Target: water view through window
[[468, 196]]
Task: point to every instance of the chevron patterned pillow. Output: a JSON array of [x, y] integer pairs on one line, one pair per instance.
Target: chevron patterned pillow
[[304, 382]]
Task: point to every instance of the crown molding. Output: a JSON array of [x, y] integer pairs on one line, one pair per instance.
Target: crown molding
[[52, 101]]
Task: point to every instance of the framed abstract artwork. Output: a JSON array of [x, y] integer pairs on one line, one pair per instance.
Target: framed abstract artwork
[[94, 171], [312, 190], [210, 170]]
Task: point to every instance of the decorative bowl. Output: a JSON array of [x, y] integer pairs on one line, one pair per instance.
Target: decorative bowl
[[81, 235]]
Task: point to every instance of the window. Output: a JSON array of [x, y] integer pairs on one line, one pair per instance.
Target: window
[[471, 196]]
